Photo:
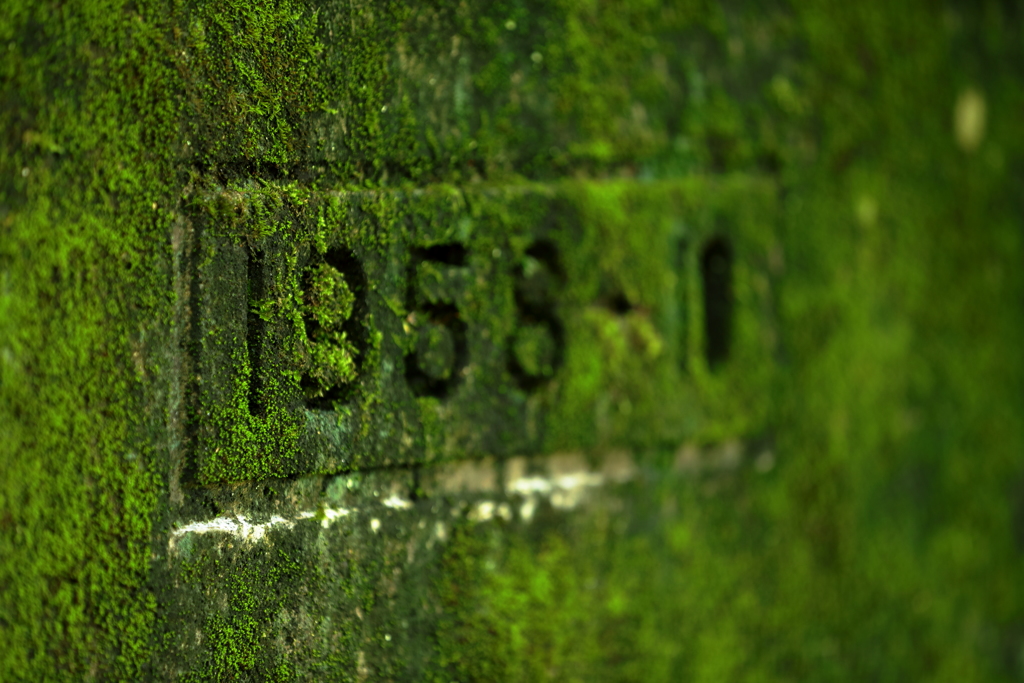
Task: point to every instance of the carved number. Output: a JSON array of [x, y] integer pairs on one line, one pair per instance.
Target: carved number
[[437, 275], [334, 288], [537, 346], [716, 277], [255, 331]]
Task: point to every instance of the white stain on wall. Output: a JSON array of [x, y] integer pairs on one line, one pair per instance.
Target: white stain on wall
[[563, 480]]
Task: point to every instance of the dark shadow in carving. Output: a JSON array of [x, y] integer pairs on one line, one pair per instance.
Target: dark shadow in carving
[[345, 262], [537, 348], [616, 302], [426, 375], [716, 276], [682, 249], [452, 254], [434, 368], [255, 330]]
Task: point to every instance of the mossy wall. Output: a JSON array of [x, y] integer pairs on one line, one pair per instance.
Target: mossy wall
[[384, 341]]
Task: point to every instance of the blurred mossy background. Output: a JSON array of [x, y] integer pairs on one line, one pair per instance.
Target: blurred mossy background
[[886, 543]]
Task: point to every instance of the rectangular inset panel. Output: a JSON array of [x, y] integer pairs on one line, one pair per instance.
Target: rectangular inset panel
[[369, 329]]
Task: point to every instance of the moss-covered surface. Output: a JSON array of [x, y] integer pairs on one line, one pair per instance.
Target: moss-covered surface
[[88, 183], [608, 273], [875, 231]]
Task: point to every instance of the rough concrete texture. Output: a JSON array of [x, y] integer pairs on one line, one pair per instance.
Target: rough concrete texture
[[514, 340]]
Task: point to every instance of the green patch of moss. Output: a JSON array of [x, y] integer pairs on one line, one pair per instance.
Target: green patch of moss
[[887, 263], [250, 79], [239, 634], [85, 206], [882, 545]]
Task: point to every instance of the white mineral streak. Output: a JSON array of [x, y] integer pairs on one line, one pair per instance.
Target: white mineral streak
[[527, 509], [330, 514], [565, 491], [243, 530], [482, 511], [568, 480], [397, 503], [237, 526]]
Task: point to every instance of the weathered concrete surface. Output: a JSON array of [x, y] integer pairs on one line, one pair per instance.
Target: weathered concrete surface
[[607, 274], [353, 576], [511, 341]]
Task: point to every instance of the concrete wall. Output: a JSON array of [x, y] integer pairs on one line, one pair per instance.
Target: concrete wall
[[511, 341]]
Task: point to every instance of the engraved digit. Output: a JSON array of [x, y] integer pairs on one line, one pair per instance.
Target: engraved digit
[[716, 276], [682, 325], [334, 288], [435, 365], [255, 330], [537, 346]]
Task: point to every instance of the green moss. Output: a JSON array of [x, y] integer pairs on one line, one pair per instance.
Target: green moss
[[881, 545], [238, 636], [88, 112], [877, 335], [250, 79]]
